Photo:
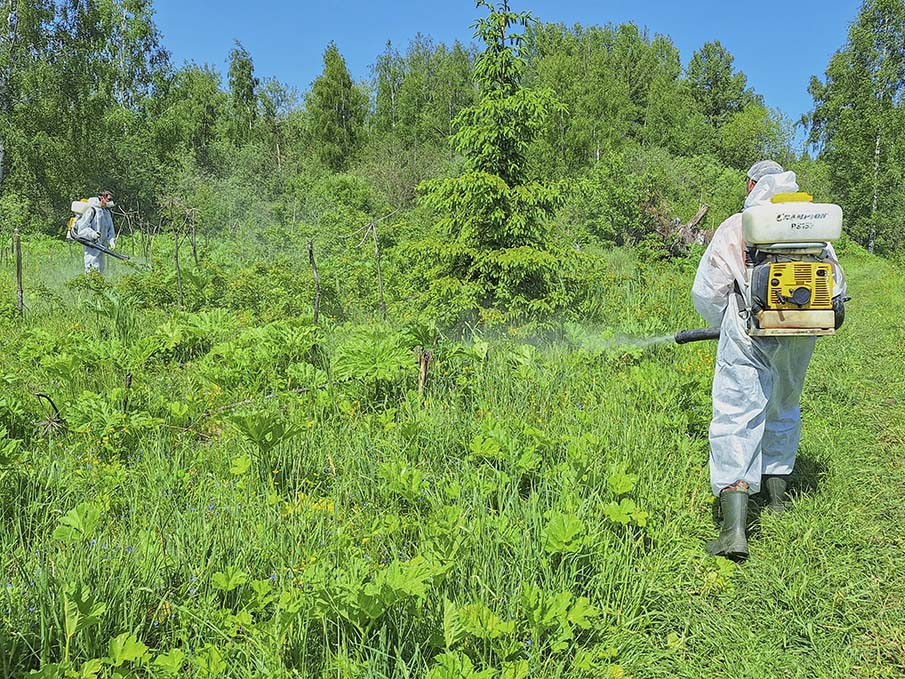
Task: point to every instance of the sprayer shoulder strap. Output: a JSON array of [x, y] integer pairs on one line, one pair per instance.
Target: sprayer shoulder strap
[[740, 299], [75, 224], [90, 220]]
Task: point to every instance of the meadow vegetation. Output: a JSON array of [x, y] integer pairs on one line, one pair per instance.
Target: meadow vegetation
[[268, 497], [466, 448]]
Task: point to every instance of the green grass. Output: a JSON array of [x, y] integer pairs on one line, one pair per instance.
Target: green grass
[[383, 529]]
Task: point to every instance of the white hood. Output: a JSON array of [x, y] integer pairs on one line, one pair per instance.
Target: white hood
[[770, 186]]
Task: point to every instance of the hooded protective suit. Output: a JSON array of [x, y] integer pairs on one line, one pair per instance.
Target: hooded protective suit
[[757, 384], [96, 225]]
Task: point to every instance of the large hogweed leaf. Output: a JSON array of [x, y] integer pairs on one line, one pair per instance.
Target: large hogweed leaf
[[564, 534], [79, 523]]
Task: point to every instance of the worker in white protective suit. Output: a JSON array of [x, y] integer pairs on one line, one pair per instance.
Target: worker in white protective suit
[[758, 381], [96, 225]]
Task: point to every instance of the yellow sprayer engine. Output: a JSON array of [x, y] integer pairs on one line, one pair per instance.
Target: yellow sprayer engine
[[790, 282], [789, 275]]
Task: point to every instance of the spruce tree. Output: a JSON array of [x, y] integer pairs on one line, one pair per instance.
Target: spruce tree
[[337, 110], [491, 249]]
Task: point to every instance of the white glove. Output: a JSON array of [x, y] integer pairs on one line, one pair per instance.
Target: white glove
[[112, 245]]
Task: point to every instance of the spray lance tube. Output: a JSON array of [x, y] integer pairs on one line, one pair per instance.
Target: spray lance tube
[[100, 248], [698, 335]]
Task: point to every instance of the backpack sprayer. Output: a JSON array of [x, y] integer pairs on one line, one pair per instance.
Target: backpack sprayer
[[790, 282], [80, 207]]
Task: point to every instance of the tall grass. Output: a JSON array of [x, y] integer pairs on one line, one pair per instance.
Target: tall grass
[[262, 556]]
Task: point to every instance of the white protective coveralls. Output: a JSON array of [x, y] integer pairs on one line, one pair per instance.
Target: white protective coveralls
[[96, 225], [757, 384]]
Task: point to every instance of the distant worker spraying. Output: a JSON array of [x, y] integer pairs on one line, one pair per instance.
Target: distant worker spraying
[[95, 226], [757, 384]]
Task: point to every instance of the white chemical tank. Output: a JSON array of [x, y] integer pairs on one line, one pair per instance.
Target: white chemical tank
[[789, 219], [79, 207]]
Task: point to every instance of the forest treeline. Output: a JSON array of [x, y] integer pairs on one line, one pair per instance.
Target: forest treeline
[[90, 98]]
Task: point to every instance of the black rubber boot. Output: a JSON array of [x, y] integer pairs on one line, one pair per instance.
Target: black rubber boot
[[776, 491], [732, 542]]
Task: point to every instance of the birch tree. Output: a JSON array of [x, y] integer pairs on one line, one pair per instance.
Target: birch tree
[[857, 125]]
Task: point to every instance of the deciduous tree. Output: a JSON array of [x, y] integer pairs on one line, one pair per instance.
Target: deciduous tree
[[715, 84], [243, 94], [857, 123]]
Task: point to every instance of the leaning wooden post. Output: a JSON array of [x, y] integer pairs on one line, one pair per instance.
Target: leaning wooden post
[[20, 294], [383, 304], [317, 280]]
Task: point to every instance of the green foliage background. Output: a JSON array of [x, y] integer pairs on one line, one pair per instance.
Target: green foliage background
[[88, 100]]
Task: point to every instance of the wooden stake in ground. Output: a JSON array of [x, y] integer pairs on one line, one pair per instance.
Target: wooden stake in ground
[[383, 304], [317, 280], [128, 391], [20, 294], [424, 361], [194, 245], [178, 271]]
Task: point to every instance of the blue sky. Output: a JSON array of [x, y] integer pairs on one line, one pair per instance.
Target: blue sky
[[778, 48]]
